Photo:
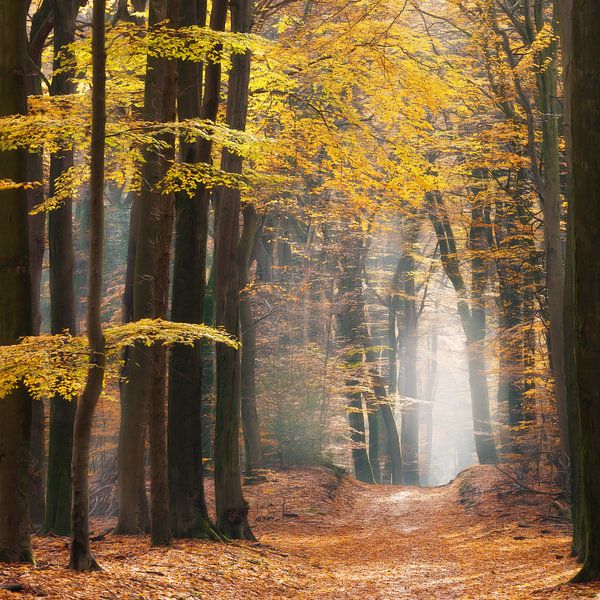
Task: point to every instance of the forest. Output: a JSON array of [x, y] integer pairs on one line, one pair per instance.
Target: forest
[[299, 299]]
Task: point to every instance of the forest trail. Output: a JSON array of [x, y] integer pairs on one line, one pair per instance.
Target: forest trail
[[326, 536]]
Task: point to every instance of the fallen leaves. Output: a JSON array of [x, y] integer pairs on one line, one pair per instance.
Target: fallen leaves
[[348, 540]]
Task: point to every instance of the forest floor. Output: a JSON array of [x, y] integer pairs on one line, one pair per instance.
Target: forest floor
[[323, 535]]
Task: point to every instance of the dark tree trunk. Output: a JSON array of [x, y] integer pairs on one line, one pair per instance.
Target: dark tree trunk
[[15, 294], [62, 297], [159, 473], [349, 318], [248, 333], [136, 391], [41, 25], [232, 509], [81, 558], [565, 9], [585, 115], [189, 515]]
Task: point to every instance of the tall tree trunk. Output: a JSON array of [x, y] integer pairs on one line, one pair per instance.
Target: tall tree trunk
[[585, 116], [62, 297], [553, 247], [15, 293], [81, 558], [159, 473], [186, 436], [248, 337], [41, 25], [136, 391], [410, 412], [348, 322], [432, 338], [232, 509], [565, 14]]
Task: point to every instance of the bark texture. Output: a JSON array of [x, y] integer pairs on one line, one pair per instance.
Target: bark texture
[[15, 294], [585, 115], [232, 509], [81, 558]]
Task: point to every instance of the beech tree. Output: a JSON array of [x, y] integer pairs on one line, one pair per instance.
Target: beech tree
[[232, 509], [81, 558], [15, 294], [585, 215], [62, 295]]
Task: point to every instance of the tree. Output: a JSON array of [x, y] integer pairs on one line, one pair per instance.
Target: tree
[[189, 515], [62, 296], [139, 369], [585, 116], [81, 558], [15, 292], [232, 509], [248, 332]]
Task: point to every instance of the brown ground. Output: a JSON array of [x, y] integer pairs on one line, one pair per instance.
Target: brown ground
[[324, 537]]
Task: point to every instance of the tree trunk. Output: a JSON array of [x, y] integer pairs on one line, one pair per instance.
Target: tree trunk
[[41, 26], [159, 473], [348, 322], [189, 515], [62, 297], [553, 247], [248, 333], [81, 558], [232, 509], [410, 412], [565, 12], [136, 391], [585, 115], [15, 294], [432, 369]]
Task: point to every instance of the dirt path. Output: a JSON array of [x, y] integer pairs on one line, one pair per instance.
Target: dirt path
[[474, 539], [398, 543]]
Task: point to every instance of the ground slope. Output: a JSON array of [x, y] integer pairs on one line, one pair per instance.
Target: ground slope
[[326, 536]]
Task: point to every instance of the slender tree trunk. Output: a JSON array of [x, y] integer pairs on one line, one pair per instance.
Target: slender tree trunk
[[62, 297], [565, 12], [81, 558], [232, 509], [585, 115], [41, 26], [159, 477], [15, 294], [410, 412], [248, 333], [553, 247], [429, 400]]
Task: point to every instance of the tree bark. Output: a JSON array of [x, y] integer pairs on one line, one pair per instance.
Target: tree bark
[[41, 26], [62, 296], [15, 294], [81, 558], [410, 412], [136, 391], [248, 333], [186, 434], [585, 115], [232, 509]]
